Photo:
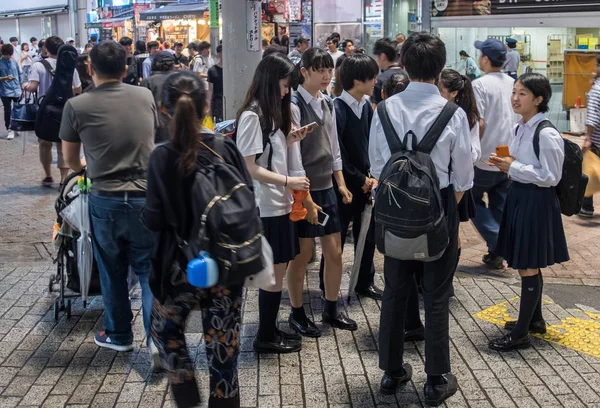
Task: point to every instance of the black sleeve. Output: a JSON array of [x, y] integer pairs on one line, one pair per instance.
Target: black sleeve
[[353, 177], [153, 215], [210, 76]]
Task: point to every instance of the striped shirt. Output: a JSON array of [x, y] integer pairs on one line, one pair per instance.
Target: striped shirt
[[593, 112]]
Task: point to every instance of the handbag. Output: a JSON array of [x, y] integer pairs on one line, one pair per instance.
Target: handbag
[[22, 115]]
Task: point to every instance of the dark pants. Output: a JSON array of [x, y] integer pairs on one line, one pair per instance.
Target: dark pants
[[221, 321], [353, 212], [487, 219], [7, 103], [120, 240], [437, 284]]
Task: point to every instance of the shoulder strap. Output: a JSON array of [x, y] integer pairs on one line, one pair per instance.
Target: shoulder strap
[[536, 136], [436, 130], [393, 140], [48, 67], [329, 102]]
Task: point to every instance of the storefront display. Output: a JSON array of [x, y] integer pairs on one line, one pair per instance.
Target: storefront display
[[183, 23], [449, 8]]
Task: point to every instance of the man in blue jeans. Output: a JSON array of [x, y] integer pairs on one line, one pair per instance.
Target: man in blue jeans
[[116, 124], [493, 93]]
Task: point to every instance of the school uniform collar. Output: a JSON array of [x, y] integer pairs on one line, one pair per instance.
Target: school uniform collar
[[308, 98], [351, 100], [423, 87], [533, 122]]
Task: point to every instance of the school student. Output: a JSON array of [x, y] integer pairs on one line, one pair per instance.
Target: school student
[[415, 110], [492, 92], [353, 113], [321, 159], [395, 84], [531, 233], [272, 155], [457, 88]]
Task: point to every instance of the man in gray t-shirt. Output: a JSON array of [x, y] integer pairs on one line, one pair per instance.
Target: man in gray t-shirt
[[115, 123]]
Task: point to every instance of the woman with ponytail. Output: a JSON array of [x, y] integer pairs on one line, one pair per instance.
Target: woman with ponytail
[[171, 173]]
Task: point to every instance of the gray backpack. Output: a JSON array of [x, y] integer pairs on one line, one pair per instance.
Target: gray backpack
[[410, 220]]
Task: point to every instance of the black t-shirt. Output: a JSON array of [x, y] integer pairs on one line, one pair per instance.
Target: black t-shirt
[[381, 80], [215, 77], [182, 59]]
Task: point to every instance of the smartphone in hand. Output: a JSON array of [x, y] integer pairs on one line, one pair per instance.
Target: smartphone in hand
[[323, 218]]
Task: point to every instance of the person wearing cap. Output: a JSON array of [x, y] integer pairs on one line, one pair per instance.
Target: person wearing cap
[[493, 93], [181, 61], [162, 64], [70, 41], [513, 59]]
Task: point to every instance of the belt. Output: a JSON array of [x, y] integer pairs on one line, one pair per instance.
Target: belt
[[121, 194]]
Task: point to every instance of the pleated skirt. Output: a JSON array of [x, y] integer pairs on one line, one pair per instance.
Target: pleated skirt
[[466, 207], [531, 233], [327, 200], [282, 235]]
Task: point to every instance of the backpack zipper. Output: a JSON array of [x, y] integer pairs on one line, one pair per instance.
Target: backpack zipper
[[412, 197]]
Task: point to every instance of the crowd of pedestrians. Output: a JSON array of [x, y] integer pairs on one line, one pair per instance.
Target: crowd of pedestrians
[[320, 135]]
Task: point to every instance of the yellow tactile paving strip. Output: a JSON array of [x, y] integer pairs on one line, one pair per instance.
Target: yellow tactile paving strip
[[581, 335]]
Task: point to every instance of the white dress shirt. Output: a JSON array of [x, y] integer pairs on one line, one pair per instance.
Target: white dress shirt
[[416, 109], [317, 106], [493, 93], [475, 143], [545, 172], [357, 107]]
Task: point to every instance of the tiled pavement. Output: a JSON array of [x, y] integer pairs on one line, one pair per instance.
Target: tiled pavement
[[50, 364]]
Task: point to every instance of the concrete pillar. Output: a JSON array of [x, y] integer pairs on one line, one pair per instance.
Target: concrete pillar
[[239, 64], [426, 16]]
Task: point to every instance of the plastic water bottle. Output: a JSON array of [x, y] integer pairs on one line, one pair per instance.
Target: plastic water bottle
[[203, 272]]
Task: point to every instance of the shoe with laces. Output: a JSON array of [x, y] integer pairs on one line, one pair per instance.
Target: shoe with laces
[[11, 135], [103, 340]]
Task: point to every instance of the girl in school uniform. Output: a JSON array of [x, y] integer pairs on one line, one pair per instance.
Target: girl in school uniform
[[531, 233], [457, 88], [268, 144]]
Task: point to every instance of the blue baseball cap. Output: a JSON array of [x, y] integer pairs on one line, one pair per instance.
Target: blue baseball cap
[[492, 48], [511, 40]]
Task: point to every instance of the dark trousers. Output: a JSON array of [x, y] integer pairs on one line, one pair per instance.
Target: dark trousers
[[221, 321], [487, 219], [437, 283], [353, 212], [7, 103]]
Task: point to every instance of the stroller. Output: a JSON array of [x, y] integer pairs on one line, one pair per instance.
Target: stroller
[[65, 242]]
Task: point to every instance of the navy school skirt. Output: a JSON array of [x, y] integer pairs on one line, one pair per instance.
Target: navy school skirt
[[282, 235], [466, 207], [531, 233], [327, 200]]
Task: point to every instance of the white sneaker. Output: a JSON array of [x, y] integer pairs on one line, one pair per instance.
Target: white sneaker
[[11, 135], [155, 364]]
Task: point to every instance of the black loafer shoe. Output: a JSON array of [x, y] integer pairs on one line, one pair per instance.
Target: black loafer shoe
[[493, 261], [534, 327], [508, 343], [340, 321], [390, 384], [417, 334], [435, 395], [288, 336], [306, 328], [371, 292], [279, 345]]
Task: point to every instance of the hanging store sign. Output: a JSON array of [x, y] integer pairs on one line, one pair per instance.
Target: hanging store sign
[[455, 8], [253, 25]]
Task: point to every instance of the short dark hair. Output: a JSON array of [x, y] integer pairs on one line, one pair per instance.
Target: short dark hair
[[423, 56], [162, 65], [152, 44], [334, 40], [140, 46], [126, 41], [386, 47], [32, 39], [539, 86], [395, 84], [299, 41], [7, 49], [345, 43], [358, 67], [42, 44], [85, 47], [336, 36], [315, 59], [283, 28], [93, 37], [274, 49], [12, 39], [496, 63], [193, 46], [109, 59], [53, 44], [204, 45]]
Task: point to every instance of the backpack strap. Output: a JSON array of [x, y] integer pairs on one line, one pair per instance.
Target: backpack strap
[[48, 67], [536, 136], [435, 131], [393, 140]]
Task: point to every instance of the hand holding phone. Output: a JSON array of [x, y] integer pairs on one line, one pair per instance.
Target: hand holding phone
[[323, 218], [502, 151]]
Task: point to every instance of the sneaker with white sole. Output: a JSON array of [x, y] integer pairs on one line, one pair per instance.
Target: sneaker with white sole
[[103, 340], [155, 364], [11, 135]]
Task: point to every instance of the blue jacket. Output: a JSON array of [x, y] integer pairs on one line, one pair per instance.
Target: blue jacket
[[10, 88]]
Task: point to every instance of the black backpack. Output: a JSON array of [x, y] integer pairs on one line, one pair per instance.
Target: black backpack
[[225, 222], [131, 76], [410, 221], [49, 114], [571, 187]]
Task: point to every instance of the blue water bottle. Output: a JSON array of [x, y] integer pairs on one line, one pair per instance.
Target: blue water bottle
[[203, 271]]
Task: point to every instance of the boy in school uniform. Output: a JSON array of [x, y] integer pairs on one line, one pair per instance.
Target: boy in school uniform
[[416, 109], [322, 161], [353, 113]]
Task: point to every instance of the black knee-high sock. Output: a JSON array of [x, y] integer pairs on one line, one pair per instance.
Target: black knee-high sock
[[331, 307], [413, 316], [268, 308], [537, 313], [530, 296]]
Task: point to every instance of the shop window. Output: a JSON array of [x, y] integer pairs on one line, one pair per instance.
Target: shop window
[[401, 16], [332, 11]]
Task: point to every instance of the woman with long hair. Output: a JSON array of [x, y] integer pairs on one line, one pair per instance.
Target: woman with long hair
[[171, 174], [457, 88], [269, 145], [471, 69]]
